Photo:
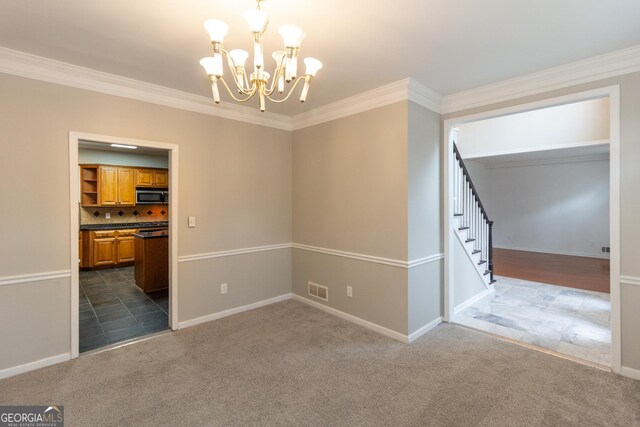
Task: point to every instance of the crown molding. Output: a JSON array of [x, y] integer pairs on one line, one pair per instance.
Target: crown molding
[[541, 162], [48, 70], [600, 67], [402, 90]]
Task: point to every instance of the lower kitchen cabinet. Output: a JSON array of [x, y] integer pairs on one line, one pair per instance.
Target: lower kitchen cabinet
[[104, 251], [107, 248]]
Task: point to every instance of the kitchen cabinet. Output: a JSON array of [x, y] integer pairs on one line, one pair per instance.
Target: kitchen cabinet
[[89, 185], [111, 248], [125, 246], [116, 186], [152, 260], [104, 251], [152, 178], [112, 185]]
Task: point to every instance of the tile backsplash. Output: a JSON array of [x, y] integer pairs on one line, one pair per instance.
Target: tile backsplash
[[142, 213]]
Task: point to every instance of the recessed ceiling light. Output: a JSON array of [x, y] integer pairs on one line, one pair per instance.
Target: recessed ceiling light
[[130, 147]]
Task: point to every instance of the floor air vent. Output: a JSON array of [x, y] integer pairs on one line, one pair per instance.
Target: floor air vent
[[319, 291]]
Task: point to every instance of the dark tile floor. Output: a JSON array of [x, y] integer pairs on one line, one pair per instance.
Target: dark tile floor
[[114, 309]]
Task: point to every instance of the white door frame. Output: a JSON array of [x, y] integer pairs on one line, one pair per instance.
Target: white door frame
[[74, 221], [611, 92]]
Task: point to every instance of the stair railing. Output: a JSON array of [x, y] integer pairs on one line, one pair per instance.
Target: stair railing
[[467, 204]]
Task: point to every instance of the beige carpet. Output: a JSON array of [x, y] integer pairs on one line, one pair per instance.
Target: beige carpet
[[290, 364]]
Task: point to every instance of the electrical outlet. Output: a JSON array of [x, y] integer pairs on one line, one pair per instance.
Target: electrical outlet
[[349, 291], [604, 249], [107, 215], [608, 249], [192, 222], [223, 288]]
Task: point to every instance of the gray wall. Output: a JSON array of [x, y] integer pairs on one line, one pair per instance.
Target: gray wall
[[555, 207], [370, 184], [424, 212], [629, 202], [235, 177], [87, 155], [350, 194]]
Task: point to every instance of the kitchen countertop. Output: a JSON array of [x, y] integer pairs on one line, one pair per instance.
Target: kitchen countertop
[[152, 234], [121, 225]]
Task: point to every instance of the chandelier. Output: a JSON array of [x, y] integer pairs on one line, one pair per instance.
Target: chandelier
[[258, 83]]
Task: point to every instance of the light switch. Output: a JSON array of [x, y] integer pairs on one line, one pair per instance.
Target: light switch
[[107, 215], [192, 222]]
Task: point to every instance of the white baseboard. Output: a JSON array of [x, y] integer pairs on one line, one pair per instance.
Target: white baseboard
[[423, 330], [32, 366], [630, 372], [548, 251], [472, 300], [358, 321], [232, 311]]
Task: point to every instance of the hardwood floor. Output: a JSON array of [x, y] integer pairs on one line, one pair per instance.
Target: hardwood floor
[[591, 274]]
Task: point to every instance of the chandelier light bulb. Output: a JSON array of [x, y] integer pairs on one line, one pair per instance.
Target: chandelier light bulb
[[292, 35], [217, 30], [257, 20], [239, 57], [207, 64], [313, 65]]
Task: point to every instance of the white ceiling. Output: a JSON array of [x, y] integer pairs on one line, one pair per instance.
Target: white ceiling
[[448, 46]]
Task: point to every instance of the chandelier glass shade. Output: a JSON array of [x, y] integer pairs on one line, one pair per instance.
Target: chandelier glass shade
[[259, 82]]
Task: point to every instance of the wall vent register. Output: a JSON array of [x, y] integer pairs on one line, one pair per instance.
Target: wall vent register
[[319, 291]]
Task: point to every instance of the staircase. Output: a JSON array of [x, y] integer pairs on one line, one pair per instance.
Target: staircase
[[471, 223]]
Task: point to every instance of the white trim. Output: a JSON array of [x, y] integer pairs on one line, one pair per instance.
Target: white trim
[[209, 255], [364, 323], [426, 260], [425, 97], [74, 223], [588, 70], [361, 257], [34, 277], [423, 330], [48, 70], [370, 258], [548, 251], [542, 162], [630, 280], [630, 372], [473, 300], [35, 67], [613, 92], [32, 366], [536, 149], [401, 90], [232, 311]]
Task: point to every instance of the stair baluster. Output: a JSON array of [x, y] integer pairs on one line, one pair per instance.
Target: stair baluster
[[474, 217]]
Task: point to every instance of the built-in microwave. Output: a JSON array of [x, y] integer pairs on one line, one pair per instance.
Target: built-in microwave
[[152, 196]]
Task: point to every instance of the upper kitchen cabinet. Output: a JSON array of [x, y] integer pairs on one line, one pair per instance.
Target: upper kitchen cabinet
[[116, 186], [152, 178], [109, 185]]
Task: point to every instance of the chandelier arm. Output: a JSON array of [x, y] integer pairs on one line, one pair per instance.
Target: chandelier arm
[[250, 94], [232, 66], [298, 80], [274, 82]]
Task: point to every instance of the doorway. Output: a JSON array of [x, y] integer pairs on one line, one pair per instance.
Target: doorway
[[123, 205], [524, 286]]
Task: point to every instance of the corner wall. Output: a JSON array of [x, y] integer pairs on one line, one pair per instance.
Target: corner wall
[[350, 195]]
